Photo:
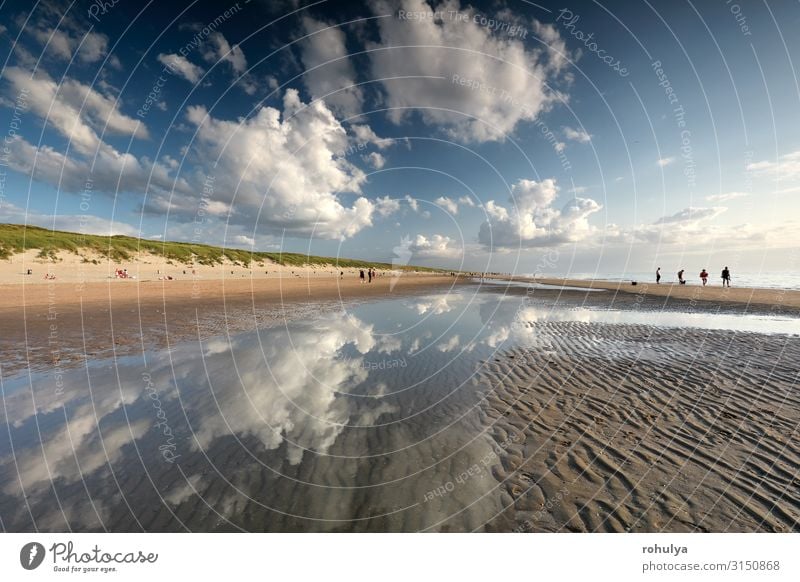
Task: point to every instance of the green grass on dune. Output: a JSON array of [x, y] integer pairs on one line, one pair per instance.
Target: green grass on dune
[[17, 238]]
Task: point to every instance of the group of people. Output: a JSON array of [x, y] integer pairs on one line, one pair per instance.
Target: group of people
[[726, 276], [370, 273]]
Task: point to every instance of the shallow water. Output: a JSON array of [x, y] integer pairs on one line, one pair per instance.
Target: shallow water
[[368, 419], [532, 285]]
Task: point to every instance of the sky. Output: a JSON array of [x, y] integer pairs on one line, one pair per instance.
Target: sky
[[569, 138]]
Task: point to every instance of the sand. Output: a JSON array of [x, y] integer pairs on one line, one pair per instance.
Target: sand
[[87, 313], [711, 292], [630, 428], [89, 267]]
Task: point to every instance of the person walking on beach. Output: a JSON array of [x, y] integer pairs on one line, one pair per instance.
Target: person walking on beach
[[681, 280], [658, 275], [369, 272], [726, 277], [361, 275], [704, 277]]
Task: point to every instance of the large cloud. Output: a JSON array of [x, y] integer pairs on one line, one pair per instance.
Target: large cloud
[[300, 182], [532, 219], [474, 83], [285, 160], [109, 171]]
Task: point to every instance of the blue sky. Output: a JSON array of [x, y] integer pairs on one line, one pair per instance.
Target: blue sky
[[566, 138]]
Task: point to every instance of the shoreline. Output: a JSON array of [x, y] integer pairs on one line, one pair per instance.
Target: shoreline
[[68, 294], [769, 297], [309, 284]]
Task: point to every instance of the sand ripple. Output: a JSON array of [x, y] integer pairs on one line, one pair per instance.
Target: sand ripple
[[632, 428]]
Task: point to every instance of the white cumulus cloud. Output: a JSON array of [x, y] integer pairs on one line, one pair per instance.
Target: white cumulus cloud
[[296, 187], [434, 246], [532, 220], [448, 204]]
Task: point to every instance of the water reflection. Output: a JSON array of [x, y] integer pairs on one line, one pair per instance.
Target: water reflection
[[285, 385], [667, 318], [313, 426]]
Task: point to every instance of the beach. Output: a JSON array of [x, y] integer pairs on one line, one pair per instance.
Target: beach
[[90, 278], [418, 402], [92, 316]]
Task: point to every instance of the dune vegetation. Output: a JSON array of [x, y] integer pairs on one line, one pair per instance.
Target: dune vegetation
[[17, 238]]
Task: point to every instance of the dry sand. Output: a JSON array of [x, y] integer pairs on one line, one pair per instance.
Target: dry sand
[[633, 428], [89, 267]]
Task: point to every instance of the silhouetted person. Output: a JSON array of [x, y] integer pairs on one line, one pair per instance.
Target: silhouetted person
[[369, 273], [726, 277], [704, 277], [658, 275], [361, 275], [681, 280]]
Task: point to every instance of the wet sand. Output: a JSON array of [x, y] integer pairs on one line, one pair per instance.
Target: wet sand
[[45, 324], [631, 428], [777, 298]]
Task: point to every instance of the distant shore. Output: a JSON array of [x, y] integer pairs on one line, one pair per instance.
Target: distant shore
[[773, 298]]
